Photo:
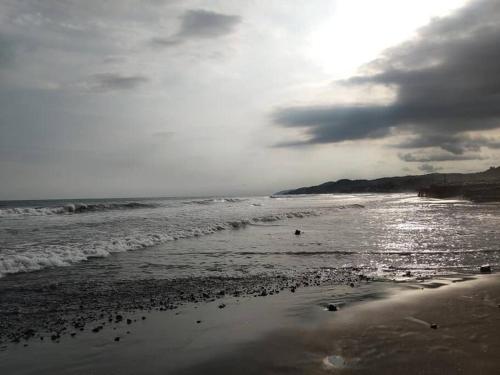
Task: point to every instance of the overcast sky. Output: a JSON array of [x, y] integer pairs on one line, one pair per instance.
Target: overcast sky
[[182, 98]]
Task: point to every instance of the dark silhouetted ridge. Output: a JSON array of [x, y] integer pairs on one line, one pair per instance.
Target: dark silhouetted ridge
[[480, 186]]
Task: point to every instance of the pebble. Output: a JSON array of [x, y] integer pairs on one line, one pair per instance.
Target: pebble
[[485, 268], [67, 316], [434, 326], [332, 307]]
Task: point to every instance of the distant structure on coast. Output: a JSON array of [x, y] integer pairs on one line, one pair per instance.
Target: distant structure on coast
[[480, 186]]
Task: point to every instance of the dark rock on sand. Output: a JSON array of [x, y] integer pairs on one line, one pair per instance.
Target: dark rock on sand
[[297, 232], [332, 307], [485, 268], [129, 321], [117, 338], [221, 306], [71, 307], [434, 326]]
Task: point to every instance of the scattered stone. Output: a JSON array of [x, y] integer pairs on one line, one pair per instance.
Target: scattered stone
[[332, 307], [335, 362], [129, 321], [94, 304], [221, 306], [297, 232], [198, 321], [117, 338], [29, 333], [485, 268], [143, 318], [434, 326]]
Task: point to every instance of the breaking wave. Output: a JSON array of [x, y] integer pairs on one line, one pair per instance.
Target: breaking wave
[[39, 257], [71, 208], [214, 201]]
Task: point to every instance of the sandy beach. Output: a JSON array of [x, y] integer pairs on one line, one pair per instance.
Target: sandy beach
[[381, 328]]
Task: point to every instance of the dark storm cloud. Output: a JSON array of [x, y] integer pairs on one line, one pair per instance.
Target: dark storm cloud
[[420, 157], [455, 144], [447, 82], [200, 24], [429, 168], [114, 82]]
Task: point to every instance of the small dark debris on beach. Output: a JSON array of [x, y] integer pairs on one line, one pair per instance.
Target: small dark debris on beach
[[434, 326], [297, 232], [332, 307], [485, 268], [29, 310]]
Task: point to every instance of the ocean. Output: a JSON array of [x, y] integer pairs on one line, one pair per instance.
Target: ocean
[[88, 256], [177, 237]]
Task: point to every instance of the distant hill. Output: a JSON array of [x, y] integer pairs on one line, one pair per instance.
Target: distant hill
[[418, 183]]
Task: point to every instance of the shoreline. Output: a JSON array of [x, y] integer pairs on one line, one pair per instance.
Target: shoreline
[[290, 330], [453, 329]]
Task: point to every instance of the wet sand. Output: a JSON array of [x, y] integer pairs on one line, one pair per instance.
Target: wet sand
[[291, 333], [454, 329]]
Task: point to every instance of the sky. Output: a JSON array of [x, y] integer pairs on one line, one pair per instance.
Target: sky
[[132, 98]]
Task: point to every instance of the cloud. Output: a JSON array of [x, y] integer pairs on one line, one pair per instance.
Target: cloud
[[428, 168], [163, 135], [437, 157], [114, 82], [447, 84], [200, 24], [455, 144], [7, 50]]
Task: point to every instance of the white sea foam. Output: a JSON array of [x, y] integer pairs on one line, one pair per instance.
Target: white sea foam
[[70, 208], [38, 256]]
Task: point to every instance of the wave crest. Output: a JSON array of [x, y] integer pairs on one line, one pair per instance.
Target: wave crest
[[71, 208]]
